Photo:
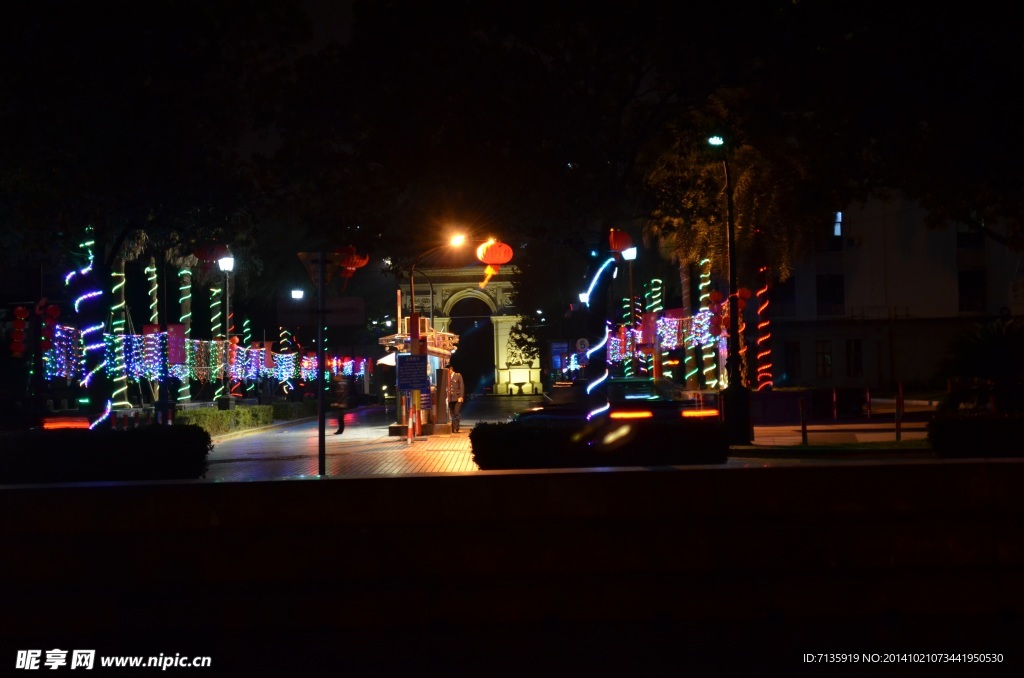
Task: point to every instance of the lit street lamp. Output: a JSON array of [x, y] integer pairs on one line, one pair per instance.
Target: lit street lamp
[[414, 330], [736, 397], [227, 264]]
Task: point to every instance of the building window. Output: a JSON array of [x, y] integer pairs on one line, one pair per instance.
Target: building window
[[783, 298], [837, 226], [972, 291], [854, 359], [791, 351], [823, 358], [831, 293]]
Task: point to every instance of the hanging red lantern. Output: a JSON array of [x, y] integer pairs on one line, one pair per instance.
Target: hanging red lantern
[[53, 310], [21, 313], [619, 240], [17, 336], [744, 293], [494, 254], [17, 348], [715, 296], [349, 259], [46, 344], [19, 324]]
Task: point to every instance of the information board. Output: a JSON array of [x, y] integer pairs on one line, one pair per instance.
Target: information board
[[412, 373]]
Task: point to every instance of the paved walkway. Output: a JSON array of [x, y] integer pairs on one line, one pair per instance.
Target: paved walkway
[[289, 451]]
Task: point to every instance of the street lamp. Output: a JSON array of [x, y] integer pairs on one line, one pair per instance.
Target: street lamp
[[455, 241], [736, 397], [227, 264], [629, 254]]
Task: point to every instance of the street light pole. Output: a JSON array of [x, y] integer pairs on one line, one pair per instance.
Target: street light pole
[[227, 264], [736, 396]]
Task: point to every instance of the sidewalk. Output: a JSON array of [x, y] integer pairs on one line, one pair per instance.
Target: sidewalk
[[290, 449]]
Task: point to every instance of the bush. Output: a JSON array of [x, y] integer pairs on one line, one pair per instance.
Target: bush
[[77, 455], [218, 422], [975, 434], [295, 410], [551, 445]]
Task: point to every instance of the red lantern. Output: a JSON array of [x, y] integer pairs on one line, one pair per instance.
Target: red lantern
[[744, 293], [234, 340], [349, 260], [715, 296], [53, 310], [21, 313], [17, 336], [46, 344], [619, 241], [17, 348], [19, 324], [494, 253]]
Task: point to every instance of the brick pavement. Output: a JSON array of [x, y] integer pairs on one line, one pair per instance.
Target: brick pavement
[[291, 451]]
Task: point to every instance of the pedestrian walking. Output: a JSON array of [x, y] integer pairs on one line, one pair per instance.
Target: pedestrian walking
[[339, 402], [456, 393]]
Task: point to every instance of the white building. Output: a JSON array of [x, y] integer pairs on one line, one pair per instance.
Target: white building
[[883, 295]]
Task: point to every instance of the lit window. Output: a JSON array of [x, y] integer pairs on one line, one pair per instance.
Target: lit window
[[837, 227]]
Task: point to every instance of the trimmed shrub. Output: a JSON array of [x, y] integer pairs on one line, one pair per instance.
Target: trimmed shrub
[[77, 455], [551, 445], [218, 422], [295, 410], [976, 434]]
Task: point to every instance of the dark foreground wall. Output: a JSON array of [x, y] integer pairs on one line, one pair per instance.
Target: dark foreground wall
[[756, 565]]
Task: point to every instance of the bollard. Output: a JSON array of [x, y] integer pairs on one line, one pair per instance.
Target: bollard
[[803, 421], [411, 427]]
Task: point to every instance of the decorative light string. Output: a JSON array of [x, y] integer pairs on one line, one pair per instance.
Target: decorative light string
[[764, 336], [181, 372]]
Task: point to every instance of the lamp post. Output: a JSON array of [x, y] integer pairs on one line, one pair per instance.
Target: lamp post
[[227, 264], [736, 397], [629, 255], [414, 330]]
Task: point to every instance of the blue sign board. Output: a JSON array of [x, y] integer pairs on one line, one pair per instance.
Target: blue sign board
[[412, 373]]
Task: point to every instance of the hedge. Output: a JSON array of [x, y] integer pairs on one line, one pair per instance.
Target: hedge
[[218, 422], [550, 445], [73, 455], [976, 434], [295, 410]]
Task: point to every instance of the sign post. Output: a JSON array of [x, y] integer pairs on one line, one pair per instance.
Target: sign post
[[411, 373]]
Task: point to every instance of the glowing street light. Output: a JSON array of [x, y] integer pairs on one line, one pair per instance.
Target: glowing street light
[[736, 397]]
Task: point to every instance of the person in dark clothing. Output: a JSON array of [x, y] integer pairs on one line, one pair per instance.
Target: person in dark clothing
[[340, 401], [456, 393]]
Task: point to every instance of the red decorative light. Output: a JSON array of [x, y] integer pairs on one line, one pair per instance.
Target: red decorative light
[[618, 240], [494, 253]]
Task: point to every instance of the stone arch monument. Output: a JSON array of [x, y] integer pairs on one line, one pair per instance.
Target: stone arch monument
[[439, 290]]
